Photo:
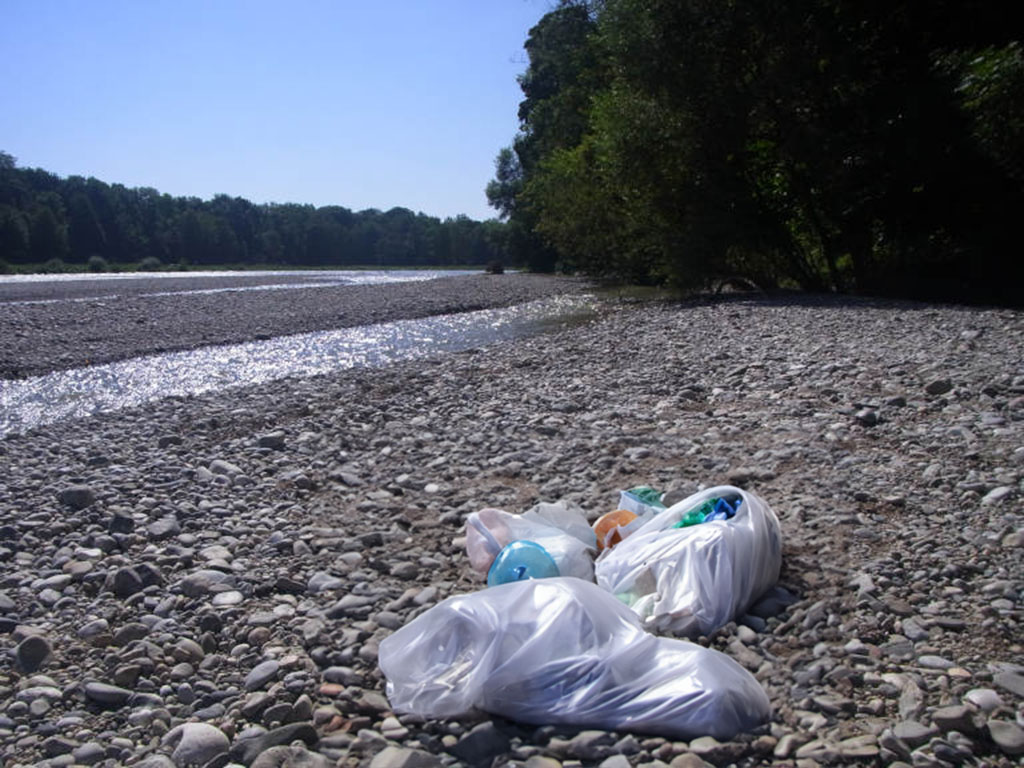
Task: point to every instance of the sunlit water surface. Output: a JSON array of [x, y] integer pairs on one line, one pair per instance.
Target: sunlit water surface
[[81, 392]]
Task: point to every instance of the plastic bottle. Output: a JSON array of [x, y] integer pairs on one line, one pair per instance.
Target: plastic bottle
[[606, 527], [519, 561], [647, 495], [697, 515]]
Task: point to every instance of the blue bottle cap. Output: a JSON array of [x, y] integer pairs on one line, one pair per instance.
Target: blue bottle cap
[[519, 561]]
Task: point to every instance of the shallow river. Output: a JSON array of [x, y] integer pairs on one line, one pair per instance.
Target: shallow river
[[83, 391]]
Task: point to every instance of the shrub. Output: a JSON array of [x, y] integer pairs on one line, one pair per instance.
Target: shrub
[[150, 264], [54, 265], [97, 263]]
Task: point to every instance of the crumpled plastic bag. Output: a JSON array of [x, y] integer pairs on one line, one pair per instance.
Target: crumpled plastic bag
[[563, 531], [562, 650], [691, 581]]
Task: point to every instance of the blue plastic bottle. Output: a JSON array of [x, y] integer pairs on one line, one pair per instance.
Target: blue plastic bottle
[[519, 561]]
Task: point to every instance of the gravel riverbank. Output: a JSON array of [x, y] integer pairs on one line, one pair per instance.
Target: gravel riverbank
[[207, 581], [37, 337]]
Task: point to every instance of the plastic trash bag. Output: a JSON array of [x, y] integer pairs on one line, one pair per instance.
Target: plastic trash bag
[[691, 581], [562, 531], [564, 651]]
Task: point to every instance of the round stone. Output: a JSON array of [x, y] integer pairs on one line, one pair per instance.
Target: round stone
[[32, 652], [196, 744]]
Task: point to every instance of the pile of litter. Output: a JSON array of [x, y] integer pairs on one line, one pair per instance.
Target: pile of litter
[[563, 633]]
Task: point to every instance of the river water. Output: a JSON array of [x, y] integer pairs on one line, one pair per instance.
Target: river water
[[80, 392]]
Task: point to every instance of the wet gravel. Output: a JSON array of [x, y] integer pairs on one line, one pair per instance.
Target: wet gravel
[[206, 581], [121, 322]]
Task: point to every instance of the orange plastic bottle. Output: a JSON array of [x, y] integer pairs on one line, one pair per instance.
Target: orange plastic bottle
[[606, 527]]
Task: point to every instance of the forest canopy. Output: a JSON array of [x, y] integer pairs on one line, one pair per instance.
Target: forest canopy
[[827, 145], [54, 221]]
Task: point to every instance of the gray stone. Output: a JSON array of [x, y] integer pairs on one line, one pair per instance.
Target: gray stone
[[590, 745], [31, 653], [125, 582], [405, 570], [221, 467], [57, 745], [913, 733], [789, 744], [997, 494], [984, 699], [867, 416], [687, 760], [717, 752], [90, 753], [77, 496], [773, 602], [156, 761], [195, 744], [164, 528], [201, 582], [1009, 737], [481, 745], [106, 695], [1012, 682], [291, 757], [261, 674], [121, 523], [954, 718], [245, 750], [371, 703], [938, 386], [273, 440], [401, 757], [322, 582], [914, 630]]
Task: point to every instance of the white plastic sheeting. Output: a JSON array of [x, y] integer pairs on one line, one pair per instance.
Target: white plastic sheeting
[[563, 531], [565, 651], [691, 581]]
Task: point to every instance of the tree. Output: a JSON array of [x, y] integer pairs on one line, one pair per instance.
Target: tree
[[47, 235]]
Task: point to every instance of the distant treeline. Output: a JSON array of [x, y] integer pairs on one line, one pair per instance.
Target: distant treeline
[[875, 147], [46, 219]]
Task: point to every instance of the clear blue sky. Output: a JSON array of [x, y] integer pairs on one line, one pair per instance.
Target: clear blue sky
[[360, 103]]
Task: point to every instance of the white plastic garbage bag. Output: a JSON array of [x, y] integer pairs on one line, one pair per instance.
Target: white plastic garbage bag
[[562, 650], [691, 581], [563, 531]]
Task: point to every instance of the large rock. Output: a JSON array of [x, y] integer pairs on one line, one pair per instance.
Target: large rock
[[31, 653], [77, 496], [196, 744]]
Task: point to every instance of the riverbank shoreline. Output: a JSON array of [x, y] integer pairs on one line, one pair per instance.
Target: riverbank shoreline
[[40, 337], [235, 559]]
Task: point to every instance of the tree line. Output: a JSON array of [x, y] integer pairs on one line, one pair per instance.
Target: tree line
[[827, 145], [46, 220]]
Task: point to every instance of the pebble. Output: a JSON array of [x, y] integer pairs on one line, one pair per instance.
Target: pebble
[[481, 744], [242, 575], [1009, 737], [106, 695], [196, 744], [1012, 682], [78, 497], [399, 757], [31, 653], [261, 674]]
